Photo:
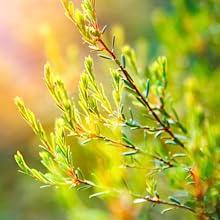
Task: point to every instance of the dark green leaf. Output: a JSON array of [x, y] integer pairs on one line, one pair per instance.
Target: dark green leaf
[[113, 42], [123, 61], [104, 56], [147, 88], [128, 83], [175, 200]]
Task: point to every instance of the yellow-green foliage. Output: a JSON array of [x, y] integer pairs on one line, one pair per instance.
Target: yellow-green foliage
[[138, 132]]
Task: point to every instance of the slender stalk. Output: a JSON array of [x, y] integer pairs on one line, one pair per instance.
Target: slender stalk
[[130, 80], [167, 162], [155, 200], [118, 143], [163, 202]]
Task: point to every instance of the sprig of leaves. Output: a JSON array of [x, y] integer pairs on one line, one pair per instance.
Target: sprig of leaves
[[94, 113]]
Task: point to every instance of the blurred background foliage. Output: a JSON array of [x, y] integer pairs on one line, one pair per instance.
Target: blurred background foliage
[[34, 31]]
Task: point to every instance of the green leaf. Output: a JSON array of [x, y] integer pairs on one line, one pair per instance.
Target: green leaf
[[175, 200], [131, 58], [105, 56], [158, 133], [113, 42], [83, 187], [21, 163], [30, 118], [88, 63], [98, 194], [181, 137], [178, 155], [167, 210], [170, 142], [130, 153], [128, 84], [127, 141], [147, 88], [86, 141], [123, 61], [104, 29]]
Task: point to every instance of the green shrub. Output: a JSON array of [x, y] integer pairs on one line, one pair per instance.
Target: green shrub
[[146, 152]]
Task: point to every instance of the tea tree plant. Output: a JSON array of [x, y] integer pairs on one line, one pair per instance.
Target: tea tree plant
[[138, 129]]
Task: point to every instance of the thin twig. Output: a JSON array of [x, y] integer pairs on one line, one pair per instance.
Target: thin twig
[[130, 80], [117, 143], [163, 202]]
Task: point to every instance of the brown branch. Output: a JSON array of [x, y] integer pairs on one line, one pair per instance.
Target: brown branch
[[130, 80], [158, 201], [167, 162]]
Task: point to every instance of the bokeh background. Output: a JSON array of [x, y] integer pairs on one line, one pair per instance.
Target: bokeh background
[[35, 31]]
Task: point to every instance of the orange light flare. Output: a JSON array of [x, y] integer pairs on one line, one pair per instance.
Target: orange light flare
[[22, 56]]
